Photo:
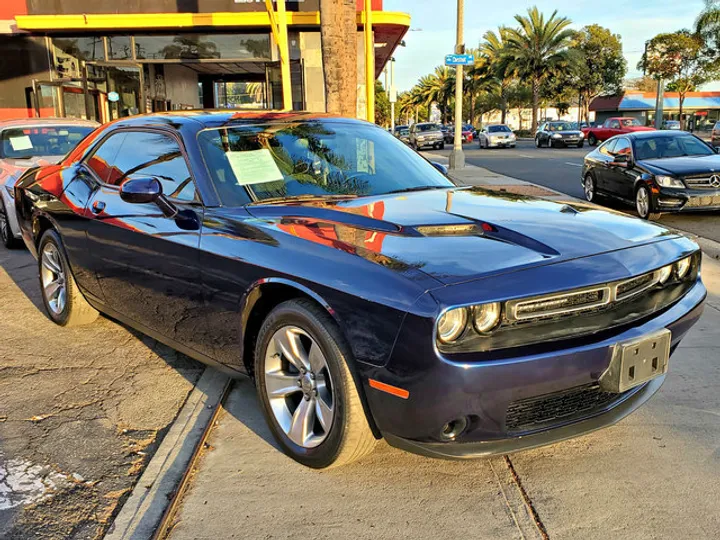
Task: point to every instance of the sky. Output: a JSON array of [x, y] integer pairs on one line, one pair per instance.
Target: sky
[[432, 31]]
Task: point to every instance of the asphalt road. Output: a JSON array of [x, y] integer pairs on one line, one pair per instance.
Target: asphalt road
[[560, 169]]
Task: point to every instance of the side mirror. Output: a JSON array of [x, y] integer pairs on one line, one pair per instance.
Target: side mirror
[[144, 190], [141, 190], [440, 167], [622, 160]]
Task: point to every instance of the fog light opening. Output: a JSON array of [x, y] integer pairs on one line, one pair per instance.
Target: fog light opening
[[453, 429]]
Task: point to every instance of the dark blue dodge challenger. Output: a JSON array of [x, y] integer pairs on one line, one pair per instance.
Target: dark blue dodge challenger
[[367, 295]]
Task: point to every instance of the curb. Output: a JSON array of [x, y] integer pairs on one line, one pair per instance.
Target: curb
[[143, 512]]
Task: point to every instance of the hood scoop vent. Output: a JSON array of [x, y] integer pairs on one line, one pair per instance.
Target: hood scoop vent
[[469, 229]]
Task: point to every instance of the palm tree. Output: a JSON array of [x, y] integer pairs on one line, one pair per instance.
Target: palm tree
[[437, 88], [491, 50], [708, 22], [533, 49], [337, 21]]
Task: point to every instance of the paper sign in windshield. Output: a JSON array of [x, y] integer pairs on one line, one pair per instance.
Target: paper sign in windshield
[[21, 142], [254, 167]]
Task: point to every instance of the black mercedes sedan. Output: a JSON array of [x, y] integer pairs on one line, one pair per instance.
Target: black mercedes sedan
[[366, 294], [657, 171], [551, 134]]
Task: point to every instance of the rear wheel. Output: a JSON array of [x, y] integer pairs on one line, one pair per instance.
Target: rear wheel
[[644, 204], [6, 234], [306, 390], [64, 303], [589, 188]]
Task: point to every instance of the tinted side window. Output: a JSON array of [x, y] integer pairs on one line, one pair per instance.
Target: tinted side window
[[615, 124], [101, 161], [608, 147], [622, 147], [145, 153]]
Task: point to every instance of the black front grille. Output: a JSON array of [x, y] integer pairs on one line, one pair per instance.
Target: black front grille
[[543, 411]]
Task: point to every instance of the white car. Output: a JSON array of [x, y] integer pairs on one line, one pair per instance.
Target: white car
[[496, 136], [28, 143]]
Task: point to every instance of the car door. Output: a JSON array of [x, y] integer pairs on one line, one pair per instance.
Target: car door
[[615, 128], [617, 177], [605, 158], [146, 262], [541, 134]]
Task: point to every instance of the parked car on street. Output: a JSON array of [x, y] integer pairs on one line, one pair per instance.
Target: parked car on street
[[403, 133], [426, 135], [715, 134], [28, 143], [612, 127], [496, 136], [671, 125], [661, 171], [365, 293], [468, 133], [551, 134]]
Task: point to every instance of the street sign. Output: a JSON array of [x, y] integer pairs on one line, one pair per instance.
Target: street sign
[[113, 97], [393, 95], [459, 60]]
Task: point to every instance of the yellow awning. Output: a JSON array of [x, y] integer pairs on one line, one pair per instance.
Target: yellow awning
[[173, 21]]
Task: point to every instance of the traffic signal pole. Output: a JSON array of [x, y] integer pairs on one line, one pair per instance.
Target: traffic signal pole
[[457, 157]]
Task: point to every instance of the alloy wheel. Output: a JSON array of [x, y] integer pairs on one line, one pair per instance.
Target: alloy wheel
[[642, 202], [4, 229], [299, 387], [589, 188], [52, 276]]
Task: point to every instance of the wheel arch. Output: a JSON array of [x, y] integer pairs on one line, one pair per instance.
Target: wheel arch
[[265, 295]]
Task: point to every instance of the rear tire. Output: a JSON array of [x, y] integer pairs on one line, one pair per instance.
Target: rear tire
[[64, 303], [330, 388], [590, 188], [6, 234]]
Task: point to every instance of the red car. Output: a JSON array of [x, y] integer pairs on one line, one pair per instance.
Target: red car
[[612, 127]]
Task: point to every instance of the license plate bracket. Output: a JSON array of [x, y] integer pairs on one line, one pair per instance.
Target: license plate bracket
[[637, 361]]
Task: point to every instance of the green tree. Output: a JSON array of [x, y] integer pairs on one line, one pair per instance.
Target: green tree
[[708, 24], [535, 48], [680, 58], [600, 65], [641, 84], [382, 105], [491, 52], [438, 88]]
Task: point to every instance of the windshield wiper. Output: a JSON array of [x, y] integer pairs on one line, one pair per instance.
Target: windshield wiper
[[303, 198], [417, 188]]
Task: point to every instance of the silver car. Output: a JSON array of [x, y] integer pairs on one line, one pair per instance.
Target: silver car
[[28, 143], [497, 136], [427, 134]]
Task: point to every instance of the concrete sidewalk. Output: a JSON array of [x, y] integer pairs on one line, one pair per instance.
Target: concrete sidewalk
[[654, 475]]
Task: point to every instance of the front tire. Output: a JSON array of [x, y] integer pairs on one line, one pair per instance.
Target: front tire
[[580, 145], [306, 391], [592, 140], [442, 146], [644, 204], [6, 234], [64, 303]]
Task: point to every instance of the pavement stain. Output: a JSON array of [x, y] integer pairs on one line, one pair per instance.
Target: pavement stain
[[82, 409]]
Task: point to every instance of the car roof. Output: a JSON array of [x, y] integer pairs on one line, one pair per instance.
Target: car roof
[[33, 122], [653, 134], [223, 118]]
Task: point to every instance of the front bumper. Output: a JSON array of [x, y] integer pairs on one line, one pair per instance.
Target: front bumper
[[686, 200], [445, 388], [435, 141], [501, 143]]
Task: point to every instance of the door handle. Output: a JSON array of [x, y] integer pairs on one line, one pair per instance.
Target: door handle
[[98, 207]]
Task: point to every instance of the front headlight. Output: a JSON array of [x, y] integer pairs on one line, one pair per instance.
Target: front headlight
[[682, 267], [664, 274], [556, 136], [669, 181], [581, 135], [486, 317], [451, 324]]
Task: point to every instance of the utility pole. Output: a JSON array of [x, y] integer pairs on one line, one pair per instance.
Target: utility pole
[[659, 104], [457, 158], [393, 95]]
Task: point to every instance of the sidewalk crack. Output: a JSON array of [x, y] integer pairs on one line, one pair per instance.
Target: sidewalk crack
[[531, 508]]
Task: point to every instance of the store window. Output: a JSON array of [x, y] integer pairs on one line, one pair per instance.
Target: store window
[[88, 49], [203, 47], [119, 48]]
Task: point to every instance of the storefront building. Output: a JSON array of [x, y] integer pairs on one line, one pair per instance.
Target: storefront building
[[138, 56], [700, 109]]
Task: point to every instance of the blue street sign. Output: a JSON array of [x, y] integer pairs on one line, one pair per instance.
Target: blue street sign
[[459, 60]]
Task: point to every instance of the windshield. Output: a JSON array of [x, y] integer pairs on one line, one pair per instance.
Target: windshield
[[318, 159], [499, 129], [671, 147], [30, 142], [630, 122], [404, 131], [561, 126], [428, 127]]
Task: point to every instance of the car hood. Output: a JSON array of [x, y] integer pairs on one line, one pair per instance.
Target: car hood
[[11, 169], [460, 234], [684, 166]]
